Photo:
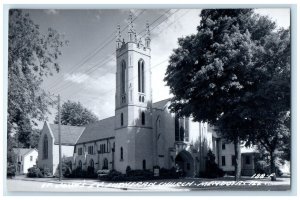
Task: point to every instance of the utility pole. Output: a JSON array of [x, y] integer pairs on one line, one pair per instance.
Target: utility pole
[[59, 138]]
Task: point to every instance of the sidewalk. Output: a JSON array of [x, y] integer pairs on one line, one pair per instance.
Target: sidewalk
[[73, 182], [185, 184]]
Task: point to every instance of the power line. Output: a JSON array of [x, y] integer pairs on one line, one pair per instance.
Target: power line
[[117, 87], [154, 65], [97, 50], [143, 31], [103, 64], [113, 53]]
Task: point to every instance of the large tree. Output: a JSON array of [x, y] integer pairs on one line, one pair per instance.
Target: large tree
[[272, 97], [32, 56], [75, 114], [214, 74]]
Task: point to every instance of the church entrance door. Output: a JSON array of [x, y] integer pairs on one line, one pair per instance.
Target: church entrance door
[[184, 164]]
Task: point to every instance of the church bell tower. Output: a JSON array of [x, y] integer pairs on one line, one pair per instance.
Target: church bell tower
[[133, 119]]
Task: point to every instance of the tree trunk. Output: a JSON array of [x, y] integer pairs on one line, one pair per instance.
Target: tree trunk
[[272, 165], [237, 165], [272, 162]]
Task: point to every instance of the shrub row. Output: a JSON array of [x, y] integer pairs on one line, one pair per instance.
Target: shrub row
[[80, 173], [262, 167], [136, 175], [35, 172], [11, 170]]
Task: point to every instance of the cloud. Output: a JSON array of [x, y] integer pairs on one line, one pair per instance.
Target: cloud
[[164, 40], [76, 77], [95, 91], [98, 94], [52, 12], [280, 15], [101, 107], [102, 84]]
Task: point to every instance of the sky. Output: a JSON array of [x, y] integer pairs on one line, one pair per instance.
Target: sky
[[88, 63]]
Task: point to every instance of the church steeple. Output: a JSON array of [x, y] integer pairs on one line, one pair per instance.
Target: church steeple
[[147, 38], [131, 30], [133, 117], [119, 36]]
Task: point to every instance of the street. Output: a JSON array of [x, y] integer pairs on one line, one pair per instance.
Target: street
[[23, 184]]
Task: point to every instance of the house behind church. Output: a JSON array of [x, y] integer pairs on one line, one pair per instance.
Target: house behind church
[[25, 158]]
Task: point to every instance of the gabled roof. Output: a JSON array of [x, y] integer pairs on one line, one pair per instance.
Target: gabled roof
[[22, 151], [251, 149], [99, 130], [161, 104], [69, 134]]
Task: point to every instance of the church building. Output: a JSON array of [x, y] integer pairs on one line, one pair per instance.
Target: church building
[[142, 134]]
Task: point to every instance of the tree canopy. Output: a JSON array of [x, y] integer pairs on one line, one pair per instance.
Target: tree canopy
[[233, 73], [32, 56], [75, 114]]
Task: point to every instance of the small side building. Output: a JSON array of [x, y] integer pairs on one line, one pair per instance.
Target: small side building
[[25, 159], [48, 147]]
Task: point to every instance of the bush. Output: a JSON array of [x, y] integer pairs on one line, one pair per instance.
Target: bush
[[91, 172], [46, 172], [67, 172], [128, 168], [212, 170], [34, 172], [168, 173], [11, 170], [137, 175], [120, 177], [262, 167], [78, 173]]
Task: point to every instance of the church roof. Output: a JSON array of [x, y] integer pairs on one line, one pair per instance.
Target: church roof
[[161, 104], [22, 151], [69, 134], [99, 130]]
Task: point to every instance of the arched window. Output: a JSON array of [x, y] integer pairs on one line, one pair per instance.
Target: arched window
[[123, 77], [45, 147], [92, 163], [105, 164], [80, 164], [181, 131], [121, 153], [141, 81], [122, 119], [143, 118]]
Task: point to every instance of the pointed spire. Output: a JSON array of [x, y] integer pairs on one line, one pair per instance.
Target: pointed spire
[[140, 43], [147, 38], [119, 40], [131, 31], [147, 29]]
